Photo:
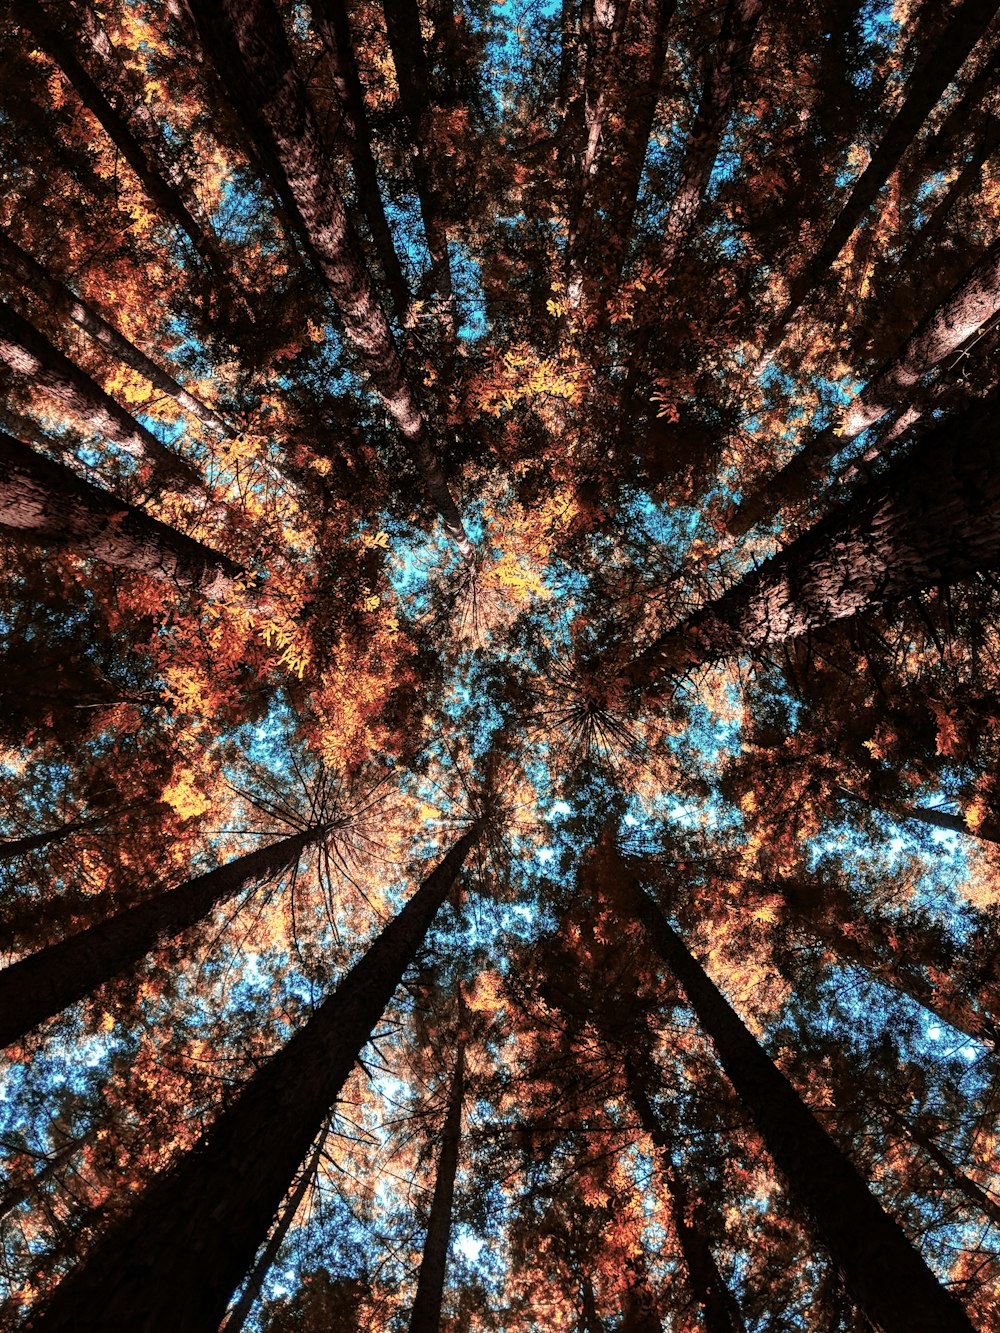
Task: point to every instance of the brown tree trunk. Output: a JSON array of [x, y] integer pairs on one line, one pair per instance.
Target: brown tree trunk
[[29, 352], [973, 301], [934, 518], [248, 1297], [426, 1314], [47, 504], [931, 76], [250, 50], [717, 1305], [924, 814], [974, 1193], [25, 269], [333, 26], [191, 1238], [45, 983], [884, 1274]]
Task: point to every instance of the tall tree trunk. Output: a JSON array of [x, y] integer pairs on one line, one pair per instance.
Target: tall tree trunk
[[174, 1263], [248, 1297], [13, 848], [592, 1321], [51, 37], [45, 983], [333, 26], [25, 269], [29, 352], [726, 70], [932, 519], [974, 1193], [426, 1314], [973, 301], [248, 45], [931, 76], [925, 814], [881, 1269], [47, 504], [716, 1303]]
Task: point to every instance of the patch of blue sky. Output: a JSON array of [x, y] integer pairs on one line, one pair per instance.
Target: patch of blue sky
[[406, 225], [469, 296]]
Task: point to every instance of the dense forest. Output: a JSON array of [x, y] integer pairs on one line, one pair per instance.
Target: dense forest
[[499, 714]]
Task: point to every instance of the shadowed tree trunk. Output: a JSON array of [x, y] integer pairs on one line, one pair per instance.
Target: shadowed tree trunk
[[716, 1303], [883, 1272], [47, 504], [933, 72], [22, 266], [426, 1314], [933, 518], [45, 983], [248, 46], [12, 848], [972, 1192], [174, 1263], [31, 354]]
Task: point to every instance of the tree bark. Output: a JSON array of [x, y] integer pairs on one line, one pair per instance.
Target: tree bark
[[717, 1306], [884, 1274], [973, 301], [25, 269], [426, 1314], [932, 519], [248, 46], [43, 984], [974, 1193], [333, 26], [29, 352], [251, 1291], [192, 1236], [931, 76], [47, 504]]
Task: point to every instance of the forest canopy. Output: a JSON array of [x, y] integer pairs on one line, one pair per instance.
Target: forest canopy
[[499, 715]]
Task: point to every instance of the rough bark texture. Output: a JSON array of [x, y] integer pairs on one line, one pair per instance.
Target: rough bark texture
[[716, 1304], [885, 1275], [931, 76], [331, 21], [967, 307], [248, 46], [49, 505], [26, 270], [174, 1263], [45, 983], [933, 519], [29, 352]]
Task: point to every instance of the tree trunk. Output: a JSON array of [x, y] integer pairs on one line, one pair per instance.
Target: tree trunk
[[12, 848], [932, 519], [45, 983], [726, 71], [716, 1304], [931, 76], [973, 301], [426, 1314], [924, 814], [975, 1194], [884, 1274], [25, 269], [50, 36], [248, 1298], [47, 504], [248, 46], [174, 1263], [29, 352], [333, 26]]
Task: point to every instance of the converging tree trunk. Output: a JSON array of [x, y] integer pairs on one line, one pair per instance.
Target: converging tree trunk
[[884, 1274], [426, 1314], [250, 50], [43, 984], [47, 504], [933, 518], [174, 1263]]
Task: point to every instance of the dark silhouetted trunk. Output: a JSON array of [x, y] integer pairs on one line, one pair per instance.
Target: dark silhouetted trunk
[[933, 518], [31, 354], [45, 983], [973, 1193], [249, 48], [22, 266], [48, 505], [426, 1314], [174, 1263]]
